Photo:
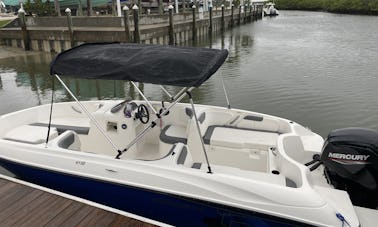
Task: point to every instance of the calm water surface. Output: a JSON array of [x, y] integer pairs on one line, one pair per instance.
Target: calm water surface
[[317, 69]]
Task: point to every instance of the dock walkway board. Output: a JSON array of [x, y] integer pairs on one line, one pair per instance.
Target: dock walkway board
[[23, 205]]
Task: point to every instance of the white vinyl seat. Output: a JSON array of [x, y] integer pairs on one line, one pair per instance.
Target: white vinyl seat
[[240, 138], [172, 134], [30, 134], [68, 140], [175, 133]]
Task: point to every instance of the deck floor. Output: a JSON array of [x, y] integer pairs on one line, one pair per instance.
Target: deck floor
[[21, 205]]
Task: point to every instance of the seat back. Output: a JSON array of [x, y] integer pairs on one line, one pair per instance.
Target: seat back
[[68, 140]]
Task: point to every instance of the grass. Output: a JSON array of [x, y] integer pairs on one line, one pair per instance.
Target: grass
[[4, 22]]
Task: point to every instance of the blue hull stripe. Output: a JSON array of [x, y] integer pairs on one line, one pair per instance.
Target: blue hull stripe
[[167, 208]]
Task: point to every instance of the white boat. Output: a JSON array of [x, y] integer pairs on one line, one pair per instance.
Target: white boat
[[181, 163], [270, 10]]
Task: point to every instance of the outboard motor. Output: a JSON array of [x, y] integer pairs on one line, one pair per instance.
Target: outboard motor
[[350, 158]]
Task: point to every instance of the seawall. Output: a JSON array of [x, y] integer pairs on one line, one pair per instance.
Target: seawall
[[51, 34]]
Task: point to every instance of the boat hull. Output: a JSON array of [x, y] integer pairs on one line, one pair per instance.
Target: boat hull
[[163, 207]]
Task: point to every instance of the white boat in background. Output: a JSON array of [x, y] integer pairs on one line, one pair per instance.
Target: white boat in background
[[186, 164], [270, 10]]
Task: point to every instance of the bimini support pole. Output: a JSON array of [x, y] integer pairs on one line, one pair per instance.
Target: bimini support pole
[[225, 93], [182, 91], [166, 92], [144, 97], [88, 113], [199, 131], [51, 109], [153, 123]]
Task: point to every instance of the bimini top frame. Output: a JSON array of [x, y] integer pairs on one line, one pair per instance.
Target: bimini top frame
[[155, 64], [164, 65]]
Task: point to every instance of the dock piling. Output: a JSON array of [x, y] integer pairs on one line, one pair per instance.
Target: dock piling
[[245, 13], [69, 23], [79, 11], [126, 23], [249, 13], [232, 15], [222, 19], [136, 24], [194, 29], [170, 31], [25, 33], [239, 17], [210, 18], [183, 7], [89, 8], [140, 9], [57, 8]]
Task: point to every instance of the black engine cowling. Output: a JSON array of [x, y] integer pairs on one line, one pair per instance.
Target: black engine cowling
[[350, 157]]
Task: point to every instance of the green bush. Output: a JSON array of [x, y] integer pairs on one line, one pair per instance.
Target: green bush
[[40, 8], [339, 6]]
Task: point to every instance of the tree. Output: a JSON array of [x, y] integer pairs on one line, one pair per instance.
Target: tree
[[39, 8]]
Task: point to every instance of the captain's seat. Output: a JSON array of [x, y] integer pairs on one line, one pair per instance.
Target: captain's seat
[[175, 133]]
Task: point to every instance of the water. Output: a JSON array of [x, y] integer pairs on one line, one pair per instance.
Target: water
[[318, 69]]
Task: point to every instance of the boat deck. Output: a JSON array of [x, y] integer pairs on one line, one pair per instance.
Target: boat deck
[[25, 205]]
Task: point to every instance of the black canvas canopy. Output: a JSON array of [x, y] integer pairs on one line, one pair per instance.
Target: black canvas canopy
[[156, 64]]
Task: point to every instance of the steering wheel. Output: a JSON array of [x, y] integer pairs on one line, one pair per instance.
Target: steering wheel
[[143, 114]]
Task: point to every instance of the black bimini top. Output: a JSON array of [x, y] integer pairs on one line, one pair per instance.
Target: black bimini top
[[165, 65]]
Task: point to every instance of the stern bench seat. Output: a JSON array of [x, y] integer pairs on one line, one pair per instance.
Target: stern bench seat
[[62, 128], [30, 134], [234, 137]]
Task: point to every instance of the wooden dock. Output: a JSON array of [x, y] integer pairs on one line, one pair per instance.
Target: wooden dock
[[55, 34], [24, 204]]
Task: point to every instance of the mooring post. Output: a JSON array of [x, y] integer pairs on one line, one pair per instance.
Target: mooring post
[[136, 24], [57, 8], [160, 7], [140, 7], [250, 12], [79, 9], [222, 20], [254, 13], [114, 8], [69, 23], [239, 18], [210, 17], [170, 30], [24, 31], [183, 6], [194, 29], [232, 15], [89, 8], [260, 12], [245, 14], [126, 22]]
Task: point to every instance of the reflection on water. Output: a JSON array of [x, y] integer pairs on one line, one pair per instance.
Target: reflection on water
[[318, 69]]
